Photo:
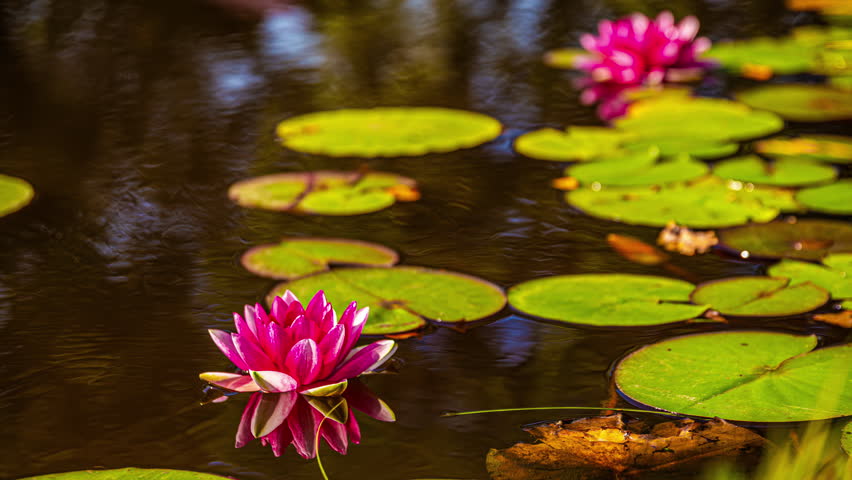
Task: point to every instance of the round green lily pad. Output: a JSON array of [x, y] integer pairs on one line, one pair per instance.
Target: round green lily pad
[[638, 168], [835, 276], [760, 296], [846, 438], [824, 148], [297, 257], [611, 300], [563, 57], [320, 192], [696, 147], [835, 198], [801, 103], [401, 298], [15, 194], [741, 376], [387, 131], [804, 239], [709, 203], [128, 474], [784, 172], [781, 55], [708, 119], [575, 143]]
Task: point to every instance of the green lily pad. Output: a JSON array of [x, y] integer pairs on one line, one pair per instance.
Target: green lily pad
[[804, 239], [638, 168], [695, 147], [708, 119], [835, 276], [846, 438], [707, 203], [387, 131], [835, 198], [563, 57], [784, 172], [823, 148], [575, 143], [611, 300], [781, 55], [401, 298], [128, 474], [760, 296], [15, 194], [320, 192], [741, 376], [801, 103], [297, 257]]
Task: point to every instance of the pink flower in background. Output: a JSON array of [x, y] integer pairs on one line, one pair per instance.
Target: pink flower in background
[[634, 52], [296, 349], [281, 419]]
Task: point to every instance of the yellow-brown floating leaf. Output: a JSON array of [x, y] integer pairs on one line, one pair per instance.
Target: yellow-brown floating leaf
[[685, 241], [636, 250], [756, 72], [565, 183], [842, 319], [602, 446], [404, 193]]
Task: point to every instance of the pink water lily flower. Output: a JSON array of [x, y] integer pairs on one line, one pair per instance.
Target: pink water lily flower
[[296, 349]]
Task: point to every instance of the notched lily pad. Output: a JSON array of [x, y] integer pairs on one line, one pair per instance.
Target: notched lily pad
[[575, 143], [606, 300], [128, 474], [744, 376], [784, 172], [824, 148], [706, 203], [387, 131], [15, 194], [639, 168], [835, 275], [592, 448], [297, 257], [402, 298], [320, 192], [801, 103], [835, 199], [760, 296], [804, 239]]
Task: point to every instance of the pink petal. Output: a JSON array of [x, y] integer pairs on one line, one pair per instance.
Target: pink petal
[[243, 329], [230, 381], [353, 429], [335, 435], [331, 350], [688, 28], [251, 319], [316, 308], [244, 435], [362, 399], [294, 311], [278, 342], [301, 328], [303, 361], [252, 354], [225, 342], [364, 359], [279, 439], [278, 309], [302, 424], [354, 327], [273, 382], [262, 319], [271, 412]]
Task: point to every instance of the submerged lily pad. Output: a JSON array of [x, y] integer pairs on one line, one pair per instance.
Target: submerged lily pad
[[611, 300], [708, 119], [640, 168], [824, 148], [575, 143], [297, 257], [805, 239], [784, 172], [779, 55], [801, 103], [128, 474], [708, 203], [835, 275], [320, 192], [760, 296], [387, 131], [835, 198], [15, 194], [744, 376], [401, 298]]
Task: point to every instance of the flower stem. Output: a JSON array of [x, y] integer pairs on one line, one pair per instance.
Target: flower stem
[[317, 437]]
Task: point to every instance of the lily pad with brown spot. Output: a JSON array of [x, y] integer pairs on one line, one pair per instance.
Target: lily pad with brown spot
[[824, 148], [296, 257], [800, 103], [804, 239], [320, 192], [401, 299], [760, 296]]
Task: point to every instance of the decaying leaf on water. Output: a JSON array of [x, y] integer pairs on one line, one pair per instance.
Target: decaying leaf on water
[[685, 241], [608, 447], [636, 250], [842, 318]]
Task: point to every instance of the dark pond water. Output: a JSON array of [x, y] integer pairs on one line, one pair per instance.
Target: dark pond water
[[132, 118]]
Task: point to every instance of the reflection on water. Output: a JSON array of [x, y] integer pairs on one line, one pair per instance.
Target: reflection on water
[[131, 119]]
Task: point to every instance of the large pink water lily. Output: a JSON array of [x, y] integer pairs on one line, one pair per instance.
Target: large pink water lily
[[295, 349]]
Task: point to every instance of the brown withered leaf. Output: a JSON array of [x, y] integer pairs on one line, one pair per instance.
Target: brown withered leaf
[[636, 250], [842, 318], [607, 447], [675, 238]]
